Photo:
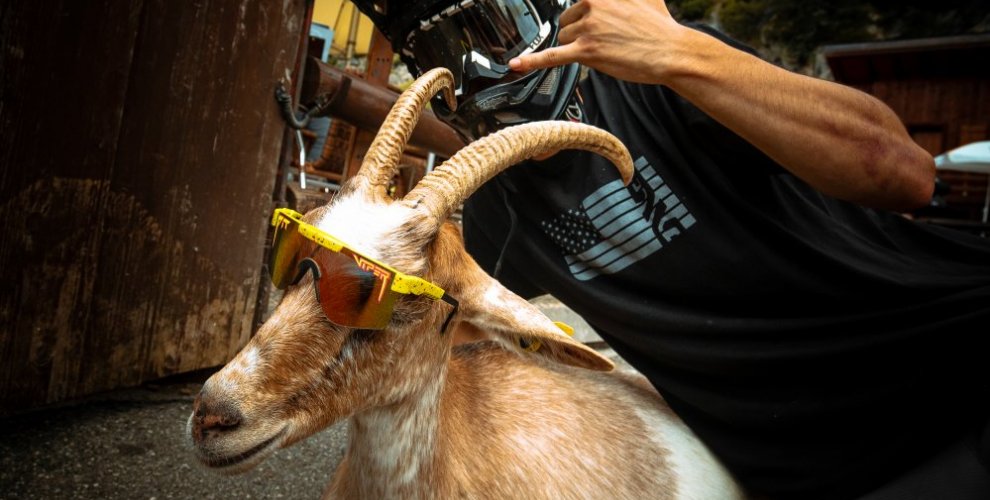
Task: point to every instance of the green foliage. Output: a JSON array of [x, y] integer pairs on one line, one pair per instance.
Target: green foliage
[[743, 18], [917, 19], [794, 29], [691, 10]]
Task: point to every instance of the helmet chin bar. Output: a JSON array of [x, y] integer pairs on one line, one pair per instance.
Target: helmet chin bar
[[476, 65], [540, 95]]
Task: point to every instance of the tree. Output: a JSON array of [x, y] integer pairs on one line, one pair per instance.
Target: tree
[[791, 31]]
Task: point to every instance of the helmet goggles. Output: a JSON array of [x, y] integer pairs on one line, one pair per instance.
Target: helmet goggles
[[476, 39], [353, 290]]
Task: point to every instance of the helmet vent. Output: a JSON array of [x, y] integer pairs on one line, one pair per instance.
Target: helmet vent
[[550, 82]]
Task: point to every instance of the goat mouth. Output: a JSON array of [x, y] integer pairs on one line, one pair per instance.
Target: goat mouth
[[218, 462]]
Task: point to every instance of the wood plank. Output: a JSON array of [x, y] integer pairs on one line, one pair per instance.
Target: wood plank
[[60, 117], [139, 145], [202, 173]]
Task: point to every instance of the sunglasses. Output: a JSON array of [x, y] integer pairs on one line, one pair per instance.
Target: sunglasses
[[354, 290]]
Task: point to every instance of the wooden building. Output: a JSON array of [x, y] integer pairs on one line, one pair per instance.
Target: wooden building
[[940, 88]]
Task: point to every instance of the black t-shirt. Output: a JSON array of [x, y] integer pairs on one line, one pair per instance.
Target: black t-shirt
[[816, 346]]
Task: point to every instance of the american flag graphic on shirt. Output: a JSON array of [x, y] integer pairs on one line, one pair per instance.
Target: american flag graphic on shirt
[[617, 226]]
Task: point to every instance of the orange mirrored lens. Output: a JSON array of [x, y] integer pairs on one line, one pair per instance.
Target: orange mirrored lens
[[353, 291], [284, 258]]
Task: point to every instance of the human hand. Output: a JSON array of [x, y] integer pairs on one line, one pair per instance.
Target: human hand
[[628, 39]]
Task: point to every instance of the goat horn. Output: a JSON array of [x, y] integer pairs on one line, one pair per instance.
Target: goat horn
[[442, 191], [382, 158]]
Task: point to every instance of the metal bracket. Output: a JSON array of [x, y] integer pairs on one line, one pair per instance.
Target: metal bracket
[[299, 122], [284, 100]]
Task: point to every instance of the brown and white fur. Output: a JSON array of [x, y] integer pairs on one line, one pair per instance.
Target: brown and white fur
[[428, 419]]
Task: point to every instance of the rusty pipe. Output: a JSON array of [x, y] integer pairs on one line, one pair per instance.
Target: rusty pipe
[[365, 105]]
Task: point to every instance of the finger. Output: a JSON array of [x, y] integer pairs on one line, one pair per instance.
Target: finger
[[547, 58], [573, 13], [568, 33]]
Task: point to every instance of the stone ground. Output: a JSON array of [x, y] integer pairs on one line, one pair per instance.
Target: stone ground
[[131, 444]]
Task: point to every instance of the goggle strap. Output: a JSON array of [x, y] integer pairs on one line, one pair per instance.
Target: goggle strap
[[453, 302]]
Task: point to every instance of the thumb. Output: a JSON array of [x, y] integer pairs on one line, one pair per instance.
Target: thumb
[[546, 58]]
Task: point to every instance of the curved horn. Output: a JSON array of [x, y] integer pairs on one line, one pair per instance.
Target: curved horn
[[382, 158], [440, 192]]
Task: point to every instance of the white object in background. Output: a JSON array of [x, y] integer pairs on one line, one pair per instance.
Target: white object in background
[[302, 159], [972, 157]]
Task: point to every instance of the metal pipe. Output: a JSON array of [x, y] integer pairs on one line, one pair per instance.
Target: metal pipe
[[365, 105], [431, 160]]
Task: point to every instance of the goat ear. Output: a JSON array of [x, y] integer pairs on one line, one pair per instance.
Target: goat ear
[[495, 309], [490, 306]]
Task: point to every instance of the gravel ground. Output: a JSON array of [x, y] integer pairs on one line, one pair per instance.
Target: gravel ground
[[132, 445]]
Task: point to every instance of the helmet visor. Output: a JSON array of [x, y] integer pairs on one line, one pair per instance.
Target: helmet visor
[[488, 33]]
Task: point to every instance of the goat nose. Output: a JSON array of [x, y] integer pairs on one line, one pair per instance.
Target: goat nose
[[212, 416]]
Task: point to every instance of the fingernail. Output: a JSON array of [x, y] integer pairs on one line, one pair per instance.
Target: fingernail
[[515, 63]]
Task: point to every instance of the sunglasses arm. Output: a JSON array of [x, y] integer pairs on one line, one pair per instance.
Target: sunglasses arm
[[453, 302]]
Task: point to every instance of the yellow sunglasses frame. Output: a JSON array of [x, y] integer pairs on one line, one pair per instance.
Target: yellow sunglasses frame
[[401, 283]]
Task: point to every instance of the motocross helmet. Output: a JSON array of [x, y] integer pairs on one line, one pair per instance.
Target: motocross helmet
[[475, 39]]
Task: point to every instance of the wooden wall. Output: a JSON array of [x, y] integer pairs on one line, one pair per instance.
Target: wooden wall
[[941, 114], [940, 88], [139, 144]]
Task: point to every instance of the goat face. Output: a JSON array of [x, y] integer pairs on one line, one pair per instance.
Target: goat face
[[301, 373]]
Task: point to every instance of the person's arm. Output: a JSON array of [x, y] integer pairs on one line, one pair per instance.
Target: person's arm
[[841, 141]]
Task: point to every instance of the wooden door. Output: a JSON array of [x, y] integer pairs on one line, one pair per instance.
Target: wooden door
[[139, 144]]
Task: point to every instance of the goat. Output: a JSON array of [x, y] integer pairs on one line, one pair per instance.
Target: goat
[[428, 419]]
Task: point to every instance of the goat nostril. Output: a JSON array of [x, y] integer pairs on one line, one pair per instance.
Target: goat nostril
[[212, 417], [220, 422], [218, 416]]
